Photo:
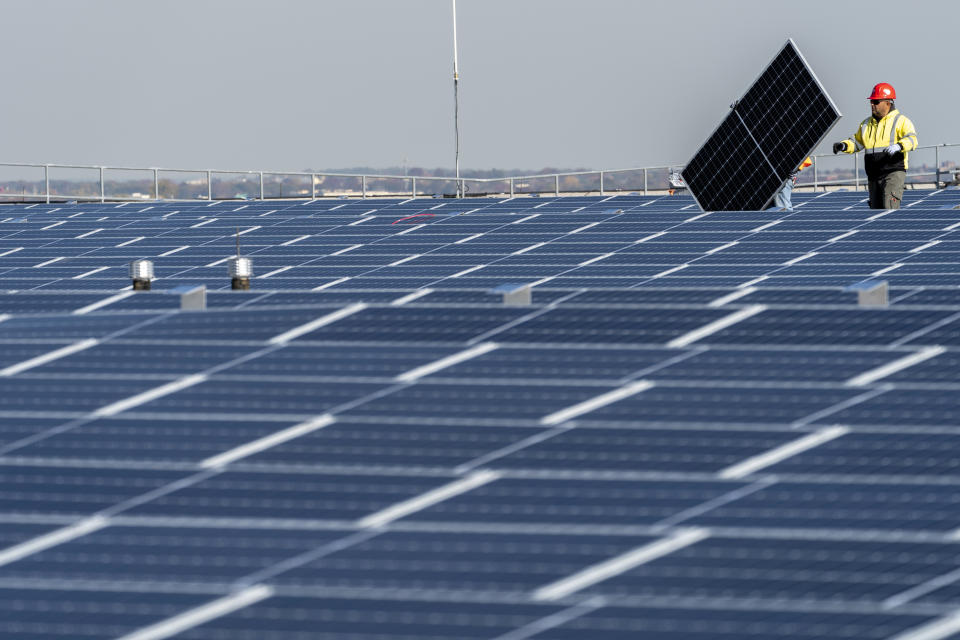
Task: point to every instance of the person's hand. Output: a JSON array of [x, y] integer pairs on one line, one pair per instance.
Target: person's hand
[[839, 146], [894, 148]]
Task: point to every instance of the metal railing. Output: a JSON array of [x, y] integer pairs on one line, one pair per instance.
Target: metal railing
[[364, 185], [937, 177]]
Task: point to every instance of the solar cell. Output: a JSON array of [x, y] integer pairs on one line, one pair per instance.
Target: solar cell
[[51, 490], [165, 554], [609, 326], [854, 571], [640, 450], [875, 506], [475, 561], [669, 623], [896, 454], [157, 440], [918, 407], [418, 444], [766, 364], [39, 614], [263, 495], [333, 617], [723, 405], [575, 503]]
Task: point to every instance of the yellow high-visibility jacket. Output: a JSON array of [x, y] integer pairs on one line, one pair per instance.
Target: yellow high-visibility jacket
[[873, 137]]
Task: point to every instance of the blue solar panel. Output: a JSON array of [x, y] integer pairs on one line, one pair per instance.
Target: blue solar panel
[[692, 431]]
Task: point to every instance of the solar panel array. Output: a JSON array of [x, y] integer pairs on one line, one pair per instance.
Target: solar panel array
[[780, 120], [692, 432]]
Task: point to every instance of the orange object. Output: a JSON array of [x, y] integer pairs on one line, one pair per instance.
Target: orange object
[[883, 91]]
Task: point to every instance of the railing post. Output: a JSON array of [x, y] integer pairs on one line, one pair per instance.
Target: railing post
[[209, 186], [556, 185], [856, 172], [46, 181], [261, 185], [815, 182], [413, 188], [511, 187], [363, 187], [313, 186], [102, 193], [937, 151], [156, 184], [601, 183], [644, 181]]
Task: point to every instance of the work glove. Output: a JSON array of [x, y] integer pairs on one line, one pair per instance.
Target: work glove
[[894, 148], [839, 146]]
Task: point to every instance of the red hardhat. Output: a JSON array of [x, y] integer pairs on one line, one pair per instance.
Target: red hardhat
[[883, 91]]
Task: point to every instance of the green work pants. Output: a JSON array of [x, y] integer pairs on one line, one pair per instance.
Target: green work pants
[[886, 191]]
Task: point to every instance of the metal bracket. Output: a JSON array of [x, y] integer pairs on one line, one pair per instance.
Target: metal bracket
[[515, 294], [871, 293], [192, 297]]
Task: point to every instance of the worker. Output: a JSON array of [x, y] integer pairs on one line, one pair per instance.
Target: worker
[[783, 200], [886, 138]]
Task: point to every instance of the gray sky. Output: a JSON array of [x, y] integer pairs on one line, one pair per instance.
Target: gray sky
[[292, 84]]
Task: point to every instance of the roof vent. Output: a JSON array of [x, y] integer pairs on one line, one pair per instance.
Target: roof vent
[[141, 272], [241, 270]]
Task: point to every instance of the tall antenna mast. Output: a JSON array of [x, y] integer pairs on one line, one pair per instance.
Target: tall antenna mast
[[456, 99]]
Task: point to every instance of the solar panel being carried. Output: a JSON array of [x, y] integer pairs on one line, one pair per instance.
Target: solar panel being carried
[[779, 121]]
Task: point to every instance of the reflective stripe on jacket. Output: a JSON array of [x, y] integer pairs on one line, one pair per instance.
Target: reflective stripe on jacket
[[873, 137]]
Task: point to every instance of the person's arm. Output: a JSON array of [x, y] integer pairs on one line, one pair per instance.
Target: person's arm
[[855, 142], [907, 135], [852, 144]]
